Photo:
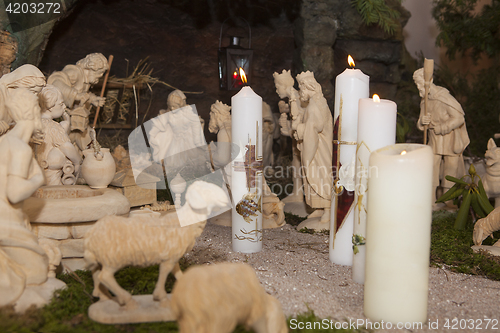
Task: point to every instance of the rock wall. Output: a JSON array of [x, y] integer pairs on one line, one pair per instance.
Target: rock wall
[[329, 30], [32, 31], [181, 44]]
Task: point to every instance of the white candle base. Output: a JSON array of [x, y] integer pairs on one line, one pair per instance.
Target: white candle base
[[358, 265], [398, 234]]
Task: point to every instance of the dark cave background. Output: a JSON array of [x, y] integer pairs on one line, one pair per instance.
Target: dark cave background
[[180, 39]]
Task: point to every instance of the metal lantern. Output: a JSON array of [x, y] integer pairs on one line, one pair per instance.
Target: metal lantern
[[235, 63]]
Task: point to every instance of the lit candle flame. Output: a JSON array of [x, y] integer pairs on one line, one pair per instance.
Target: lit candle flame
[[243, 75], [403, 152], [376, 99], [350, 61]]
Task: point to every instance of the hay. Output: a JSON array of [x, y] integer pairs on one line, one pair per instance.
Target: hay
[[140, 78]]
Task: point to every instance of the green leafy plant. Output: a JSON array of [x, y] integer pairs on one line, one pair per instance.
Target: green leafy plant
[[377, 11], [474, 198], [470, 29], [402, 129], [357, 240], [463, 29]]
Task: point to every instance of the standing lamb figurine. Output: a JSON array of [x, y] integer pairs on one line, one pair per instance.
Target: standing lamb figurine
[[115, 242], [215, 298]]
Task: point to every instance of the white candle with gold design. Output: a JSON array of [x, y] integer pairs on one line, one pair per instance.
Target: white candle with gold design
[[376, 129], [246, 178], [350, 86]]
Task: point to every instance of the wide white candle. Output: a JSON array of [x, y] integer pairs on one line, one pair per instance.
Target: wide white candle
[[398, 233], [350, 86], [246, 179], [376, 129]]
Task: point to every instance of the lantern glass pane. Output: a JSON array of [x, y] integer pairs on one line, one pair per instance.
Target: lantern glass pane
[[223, 79], [236, 59]]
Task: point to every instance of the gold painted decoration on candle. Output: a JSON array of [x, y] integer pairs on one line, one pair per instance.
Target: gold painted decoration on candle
[[253, 165], [247, 207], [254, 235]]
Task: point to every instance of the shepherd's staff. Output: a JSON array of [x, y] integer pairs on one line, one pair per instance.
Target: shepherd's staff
[[110, 60], [428, 70], [92, 133]]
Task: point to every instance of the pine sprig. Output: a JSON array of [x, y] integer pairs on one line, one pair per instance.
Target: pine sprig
[[462, 29], [378, 12]]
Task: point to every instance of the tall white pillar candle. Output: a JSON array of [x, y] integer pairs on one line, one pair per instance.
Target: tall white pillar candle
[[246, 179], [398, 233], [376, 129], [350, 86]]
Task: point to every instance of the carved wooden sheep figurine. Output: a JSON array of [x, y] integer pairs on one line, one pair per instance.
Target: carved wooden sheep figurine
[[215, 298], [487, 226], [115, 242]]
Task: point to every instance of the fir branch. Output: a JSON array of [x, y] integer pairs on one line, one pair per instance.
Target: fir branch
[[377, 11], [463, 30]]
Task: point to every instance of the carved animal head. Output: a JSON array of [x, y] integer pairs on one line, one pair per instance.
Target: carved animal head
[[492, 156], [478, 235], [219, 116]]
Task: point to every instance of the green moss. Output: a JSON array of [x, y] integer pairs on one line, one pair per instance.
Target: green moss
[[68, 311], [293, 219], [452, 248]]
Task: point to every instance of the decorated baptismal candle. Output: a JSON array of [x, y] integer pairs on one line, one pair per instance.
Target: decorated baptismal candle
[[350, 86], [376, 129], [398, 233], [246, 181]]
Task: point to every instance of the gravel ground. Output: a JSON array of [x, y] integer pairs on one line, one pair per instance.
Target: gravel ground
[[295, 268]]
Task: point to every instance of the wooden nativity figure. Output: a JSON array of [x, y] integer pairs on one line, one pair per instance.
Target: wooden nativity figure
[[217, 297], [23, 260], [294, 202], [26, 77], [220, 124], [486, 227], [446, 129], [314, 133], [57, 156], [149, 240], [176, 138], [176, 100], [74, 82]]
